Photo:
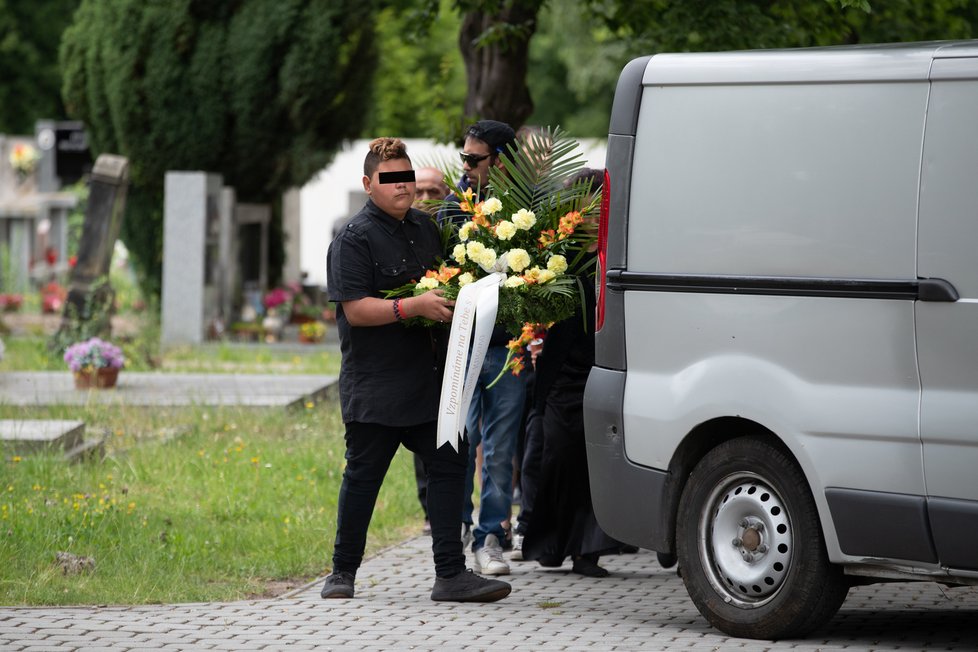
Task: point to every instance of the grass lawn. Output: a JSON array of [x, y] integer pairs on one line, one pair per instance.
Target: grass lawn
[[189, 504]]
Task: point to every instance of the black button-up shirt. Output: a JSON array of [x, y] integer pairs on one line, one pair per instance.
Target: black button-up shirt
[[391, 374]]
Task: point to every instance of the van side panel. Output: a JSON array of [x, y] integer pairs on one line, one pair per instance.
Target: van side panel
[[782, 180], [777, 180], [638, 519], [947, 333], [835, 378]]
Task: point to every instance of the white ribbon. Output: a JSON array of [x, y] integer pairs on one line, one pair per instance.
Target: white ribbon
[[476, 305]]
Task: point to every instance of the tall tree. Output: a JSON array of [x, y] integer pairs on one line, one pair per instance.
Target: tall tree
[[495, 43], [29, 35], [419, 85], [574, 84], [261, 92]]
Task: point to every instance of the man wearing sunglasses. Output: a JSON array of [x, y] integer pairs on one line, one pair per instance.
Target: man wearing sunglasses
[[484, 142], [495, 414]]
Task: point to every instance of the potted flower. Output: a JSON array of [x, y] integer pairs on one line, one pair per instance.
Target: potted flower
[[11, 302], [95, 363], [312, 332], [24, 159], [53, 297]]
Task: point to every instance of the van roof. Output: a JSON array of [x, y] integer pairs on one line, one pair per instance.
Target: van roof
[[882, 62]]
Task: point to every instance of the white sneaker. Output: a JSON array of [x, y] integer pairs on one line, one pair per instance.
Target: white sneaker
[[489, 558], [517, 552], [466, 536]]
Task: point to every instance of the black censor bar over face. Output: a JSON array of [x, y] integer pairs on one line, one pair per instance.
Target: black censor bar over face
[[406, 176]]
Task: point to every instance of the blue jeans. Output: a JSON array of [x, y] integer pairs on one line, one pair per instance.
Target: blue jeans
[[493, 419]]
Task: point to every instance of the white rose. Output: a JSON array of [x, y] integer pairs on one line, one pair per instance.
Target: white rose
[[514, 281], [505, 230], [427, 283], [491, 206], [486, 259], [557, 264], [465, 231], [458, 253], [524, 219], [517, 259], [465, 279]]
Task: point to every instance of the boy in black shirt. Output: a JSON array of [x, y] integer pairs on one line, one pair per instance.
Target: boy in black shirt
[[391, 375]]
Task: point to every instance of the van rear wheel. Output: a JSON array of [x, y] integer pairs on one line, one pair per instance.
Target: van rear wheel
[[750, 545]]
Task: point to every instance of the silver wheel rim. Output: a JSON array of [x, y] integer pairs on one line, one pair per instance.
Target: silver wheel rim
[[745, 540]]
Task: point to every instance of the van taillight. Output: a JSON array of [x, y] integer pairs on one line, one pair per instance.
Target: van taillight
[[602, 249]]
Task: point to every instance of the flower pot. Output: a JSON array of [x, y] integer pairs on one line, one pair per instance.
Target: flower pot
[[101, 378]]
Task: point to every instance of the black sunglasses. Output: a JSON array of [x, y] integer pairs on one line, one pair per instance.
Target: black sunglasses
[[473, 159]]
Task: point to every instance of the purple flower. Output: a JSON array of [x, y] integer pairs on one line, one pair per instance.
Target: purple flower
[[94, 353]]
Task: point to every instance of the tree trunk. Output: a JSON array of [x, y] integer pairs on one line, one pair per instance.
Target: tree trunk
[[496, 69]]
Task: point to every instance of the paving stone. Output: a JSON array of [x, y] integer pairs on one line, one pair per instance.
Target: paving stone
[[641, 607]]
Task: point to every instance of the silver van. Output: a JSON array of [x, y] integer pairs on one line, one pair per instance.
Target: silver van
[[785, 395]]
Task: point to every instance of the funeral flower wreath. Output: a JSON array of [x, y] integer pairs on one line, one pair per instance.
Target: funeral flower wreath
[[532, 226]]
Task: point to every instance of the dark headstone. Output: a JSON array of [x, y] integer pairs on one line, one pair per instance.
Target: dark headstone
[[90, 297]]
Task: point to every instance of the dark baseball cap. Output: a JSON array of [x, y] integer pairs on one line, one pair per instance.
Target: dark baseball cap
[[499, 136]]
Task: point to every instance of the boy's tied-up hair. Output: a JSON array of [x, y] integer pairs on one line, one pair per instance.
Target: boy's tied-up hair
[[383, 149]]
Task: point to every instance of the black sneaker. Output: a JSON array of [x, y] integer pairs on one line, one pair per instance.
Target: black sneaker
[[469, 587], [338, 585], [588, 567]]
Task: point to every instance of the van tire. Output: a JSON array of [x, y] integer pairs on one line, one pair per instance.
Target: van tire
[[750, 545]]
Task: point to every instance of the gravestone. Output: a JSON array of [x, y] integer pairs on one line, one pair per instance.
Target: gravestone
[[196, 244], [90, 297], [66, 155]]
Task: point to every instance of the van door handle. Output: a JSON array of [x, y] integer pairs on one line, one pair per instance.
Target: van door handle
[[936, 289]]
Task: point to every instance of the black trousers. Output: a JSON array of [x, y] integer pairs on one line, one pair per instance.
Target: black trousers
[[369, 450]]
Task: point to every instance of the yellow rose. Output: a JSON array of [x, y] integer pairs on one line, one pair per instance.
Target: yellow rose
[[486, 259], [524, 219], [458, 253], [427, 283], [505, 230], [517, 259], [466, 230], [532, 275], [465, 279], [491, 206], [545, 276], [514, 281], [557, 264]]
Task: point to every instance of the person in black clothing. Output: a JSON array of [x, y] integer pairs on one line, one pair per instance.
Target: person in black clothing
[[391, 375], [562, 523]]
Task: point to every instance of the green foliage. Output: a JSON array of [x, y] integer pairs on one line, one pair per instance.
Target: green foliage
[[575, 60], [574, 66], [76, 218], [91, 319], [705, 25], [29, 35], [419, 87], [263, 93]]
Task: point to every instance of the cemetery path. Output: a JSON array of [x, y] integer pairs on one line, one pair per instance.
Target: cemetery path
[[641, 606]]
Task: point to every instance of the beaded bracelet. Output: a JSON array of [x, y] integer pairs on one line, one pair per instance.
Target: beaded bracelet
[[397, 310]]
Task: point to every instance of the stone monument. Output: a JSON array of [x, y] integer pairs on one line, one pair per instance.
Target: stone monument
[[90, 297], [198, 248]]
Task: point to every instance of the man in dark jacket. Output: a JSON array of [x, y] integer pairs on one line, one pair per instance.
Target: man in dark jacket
[[391, 375]]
